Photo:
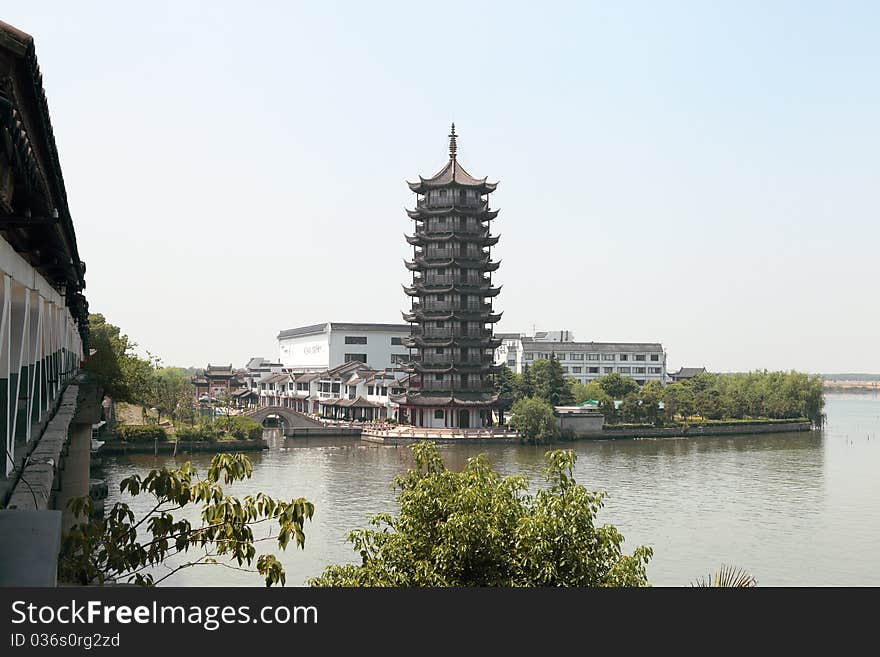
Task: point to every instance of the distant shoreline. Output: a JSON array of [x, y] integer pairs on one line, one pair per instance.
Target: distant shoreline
[[851, 386]]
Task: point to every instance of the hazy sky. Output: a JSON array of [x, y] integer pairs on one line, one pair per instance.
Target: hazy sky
[[702, 174]]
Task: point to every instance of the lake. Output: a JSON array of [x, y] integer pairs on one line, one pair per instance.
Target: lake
[[794, 509]]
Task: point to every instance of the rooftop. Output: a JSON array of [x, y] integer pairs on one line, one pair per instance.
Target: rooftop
[[452, 173], [314, 329], [597, 347]]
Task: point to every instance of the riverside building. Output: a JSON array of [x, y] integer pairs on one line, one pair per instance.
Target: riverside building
[[584, 361], [451, 345]]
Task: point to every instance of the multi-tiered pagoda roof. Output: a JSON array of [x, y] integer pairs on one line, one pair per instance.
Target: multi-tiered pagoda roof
[[451, 343]]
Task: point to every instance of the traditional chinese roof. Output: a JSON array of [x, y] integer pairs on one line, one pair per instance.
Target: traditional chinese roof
[[452, 174], [687, 372], [218, 370], [456, 399]]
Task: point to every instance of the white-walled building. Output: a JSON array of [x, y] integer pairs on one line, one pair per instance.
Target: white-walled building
[[584, 361], [331, 344]]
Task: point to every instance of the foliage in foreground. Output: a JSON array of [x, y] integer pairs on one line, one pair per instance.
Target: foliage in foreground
[[476, 528], [113, 548], [727, 577]]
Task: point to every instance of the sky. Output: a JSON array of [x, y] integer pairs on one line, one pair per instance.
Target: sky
[[700, 174]]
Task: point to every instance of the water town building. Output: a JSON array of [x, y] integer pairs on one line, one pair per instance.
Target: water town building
[[451, 343]]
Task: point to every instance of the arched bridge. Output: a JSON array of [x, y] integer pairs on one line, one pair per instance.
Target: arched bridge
[[292, 419]]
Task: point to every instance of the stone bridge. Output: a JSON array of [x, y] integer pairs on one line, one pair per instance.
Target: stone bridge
[[292, 419]]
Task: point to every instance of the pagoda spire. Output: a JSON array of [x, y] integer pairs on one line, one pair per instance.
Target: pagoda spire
[[452, 145]]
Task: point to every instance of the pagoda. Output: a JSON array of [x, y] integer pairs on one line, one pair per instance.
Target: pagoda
[[451, 370]]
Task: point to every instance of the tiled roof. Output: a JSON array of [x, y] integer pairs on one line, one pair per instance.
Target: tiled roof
[[687, 372]]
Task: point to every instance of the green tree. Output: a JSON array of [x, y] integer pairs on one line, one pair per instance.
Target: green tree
[[477, 528], [123, 548], [525, 386], [550, 383], [650, 395], [535, 420], [506, 382], [708, 404], [678, 399], [616, 386], [631, 408]]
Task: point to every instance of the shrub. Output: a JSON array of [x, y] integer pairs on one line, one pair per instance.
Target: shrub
[[197, 434], [535, 420], [245, 428], [135, 433]]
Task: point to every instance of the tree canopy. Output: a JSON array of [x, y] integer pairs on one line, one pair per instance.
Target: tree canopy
[[477, 528]]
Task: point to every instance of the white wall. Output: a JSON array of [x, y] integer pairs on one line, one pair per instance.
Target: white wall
[[306, 352], [378, 348]]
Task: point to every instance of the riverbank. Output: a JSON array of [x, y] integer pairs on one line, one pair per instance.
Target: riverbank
[[183, 446], [851, 386], [743, 429], [409, 435]]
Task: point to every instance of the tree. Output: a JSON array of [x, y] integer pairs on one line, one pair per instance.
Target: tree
[[535, 420], [631, 408], [476, 528], [550, 383], [113, 549], [616, 386], [651, 394], [506, 381], [525, 386], [677, 400], [708, 404]]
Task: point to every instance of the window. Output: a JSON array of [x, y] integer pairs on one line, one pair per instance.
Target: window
[[438, 324], [511, 362], [592, 356], [396, 359], [564, 369], [396, 341], [334, 387], [384, 391], [560, 357], [608, 370], [654, 370], [639, 357], [398, 391], [639, 370], [438, 377], [576, 370], [441, 297], [362, 358], [624, 357], [655, 357], [577, 356], [528, 356], [438, 414], [624, 370], [607, 356], [438, 350], [369, 390], [355, 339], [592, 370]]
